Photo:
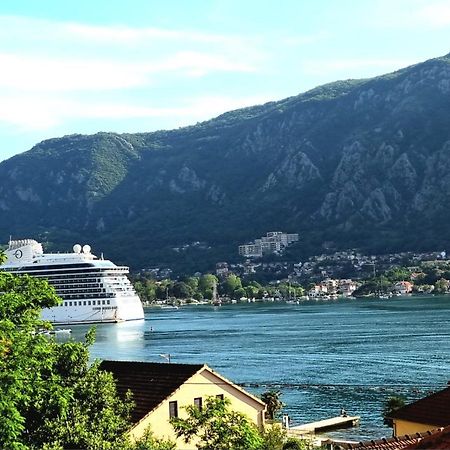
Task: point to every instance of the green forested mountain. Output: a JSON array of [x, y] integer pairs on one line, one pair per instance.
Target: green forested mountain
[[362, 163]]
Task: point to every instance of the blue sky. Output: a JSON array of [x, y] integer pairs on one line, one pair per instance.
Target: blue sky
[[85, 66]]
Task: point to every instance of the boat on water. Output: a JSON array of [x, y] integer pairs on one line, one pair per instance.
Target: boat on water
[[93, 290], [56, 332]]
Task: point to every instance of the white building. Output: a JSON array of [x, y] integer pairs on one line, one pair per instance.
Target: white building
[[273, 242]]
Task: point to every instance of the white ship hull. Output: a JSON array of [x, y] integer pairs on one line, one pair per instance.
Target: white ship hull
[[92, 290], [119, 310]]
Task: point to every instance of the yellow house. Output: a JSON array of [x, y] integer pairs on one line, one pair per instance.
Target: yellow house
[[425, 414], [161, 390]]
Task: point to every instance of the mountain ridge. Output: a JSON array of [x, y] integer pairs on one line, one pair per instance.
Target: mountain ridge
[[354, 162]]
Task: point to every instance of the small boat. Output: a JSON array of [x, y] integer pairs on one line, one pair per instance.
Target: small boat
[[169, 307], [56, 331], [61, 331]]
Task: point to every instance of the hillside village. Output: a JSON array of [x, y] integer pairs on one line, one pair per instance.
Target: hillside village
[[325, 276]]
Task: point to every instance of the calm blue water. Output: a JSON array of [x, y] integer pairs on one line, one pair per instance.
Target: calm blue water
[[322, 355]]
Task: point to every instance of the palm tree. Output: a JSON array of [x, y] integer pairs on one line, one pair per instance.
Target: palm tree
[[274, 404], [390, 406]]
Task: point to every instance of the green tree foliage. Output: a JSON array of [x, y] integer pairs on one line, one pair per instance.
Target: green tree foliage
[[206, 284], [149, 442], [182, 290], [146, 289], [49, 393], [297, 444], [273, 438], [192, 282], [50, 396], [216, 427], [274, 404], [398, 274], [239, 293], [250, 291], [374, 286], [231, 284], [391, 405], [441, 286]]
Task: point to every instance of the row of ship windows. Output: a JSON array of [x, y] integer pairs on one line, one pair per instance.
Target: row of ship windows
[[78, 291], [80, 296], [86, 303], [55, 279], [78, 274], [64, 283]]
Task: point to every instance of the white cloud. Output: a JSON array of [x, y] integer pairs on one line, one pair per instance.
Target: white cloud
[[44, 113], [36, 73], [128, 35], [42, 29], [54, 74], [40, 55]]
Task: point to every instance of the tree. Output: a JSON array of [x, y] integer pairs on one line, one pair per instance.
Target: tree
[[217, 427], [274, 438], [297, 444], [441, 286], [398, 274], [192, 282], [206, 284], [391, 405], [51, 397], [50, 394], [250, 291], [182, 290], [231, 284], [149, 442], [274, 404]]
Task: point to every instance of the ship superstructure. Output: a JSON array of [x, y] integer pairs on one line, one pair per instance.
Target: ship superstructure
[[92, 289]]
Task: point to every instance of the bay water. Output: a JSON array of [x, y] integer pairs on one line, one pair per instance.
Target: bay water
[[322, 356]]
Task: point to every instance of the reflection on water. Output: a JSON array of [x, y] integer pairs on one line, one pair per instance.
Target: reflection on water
[[322, 356]]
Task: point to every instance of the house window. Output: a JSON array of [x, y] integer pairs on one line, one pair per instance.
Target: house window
[[198, 402], [173, 409], [220, 396]]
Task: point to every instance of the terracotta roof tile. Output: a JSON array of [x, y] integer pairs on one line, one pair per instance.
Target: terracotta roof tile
[[393, 443], [437, 441]]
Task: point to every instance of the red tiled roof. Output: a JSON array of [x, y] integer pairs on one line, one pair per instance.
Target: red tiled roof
[[433, 410], [437, 441], [393, 443], [150, 383]]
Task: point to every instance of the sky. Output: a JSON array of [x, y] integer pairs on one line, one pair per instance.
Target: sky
[[83, 66]]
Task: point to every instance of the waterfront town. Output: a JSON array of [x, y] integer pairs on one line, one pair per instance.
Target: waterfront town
[[322, 277]]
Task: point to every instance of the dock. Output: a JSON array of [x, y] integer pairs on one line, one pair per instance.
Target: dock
[[326, 424]]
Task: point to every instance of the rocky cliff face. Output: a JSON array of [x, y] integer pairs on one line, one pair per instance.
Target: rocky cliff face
[[364, 162]]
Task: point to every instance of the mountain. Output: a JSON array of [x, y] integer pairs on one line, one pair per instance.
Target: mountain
[[355, 163]]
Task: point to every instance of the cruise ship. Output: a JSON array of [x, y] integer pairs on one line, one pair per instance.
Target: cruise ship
[[92, 289]]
